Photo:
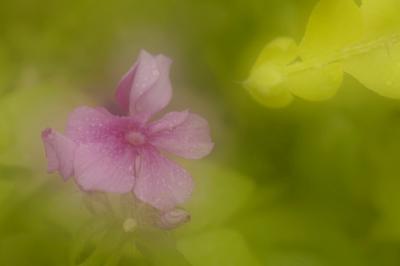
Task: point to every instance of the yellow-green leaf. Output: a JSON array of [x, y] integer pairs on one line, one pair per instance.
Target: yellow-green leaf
[[341, 37], [281, 50], [381, 17], [317, 83], [266, 78], [265, 84], [378, 70], [333, 25]]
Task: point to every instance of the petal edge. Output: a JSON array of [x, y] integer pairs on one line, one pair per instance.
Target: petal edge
[[60, 152], [160, 182], [184, 134]]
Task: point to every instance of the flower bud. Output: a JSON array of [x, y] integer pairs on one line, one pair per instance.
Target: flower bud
[[172, 219]]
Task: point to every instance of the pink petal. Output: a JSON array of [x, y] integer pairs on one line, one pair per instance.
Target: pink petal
[[168, 122], [182, 133], [146, 88], [160, 182], [104, 160], [60, 152], [104, 167], [89, 125], [124, 87]]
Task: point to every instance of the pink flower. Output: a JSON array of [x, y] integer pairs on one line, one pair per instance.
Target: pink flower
[[120, 154]]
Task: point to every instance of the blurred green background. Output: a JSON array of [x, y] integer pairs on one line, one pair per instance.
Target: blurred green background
[[312, 184]]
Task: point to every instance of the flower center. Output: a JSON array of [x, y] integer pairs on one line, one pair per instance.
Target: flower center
[[135, 138]]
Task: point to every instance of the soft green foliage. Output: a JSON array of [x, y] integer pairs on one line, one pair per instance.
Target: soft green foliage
[[214, 199], [27, 111], [340, 37], [224, 247], [213, 205], [267, 73], [313, 184]]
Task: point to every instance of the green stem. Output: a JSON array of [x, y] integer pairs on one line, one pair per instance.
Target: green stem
[[343, 54]]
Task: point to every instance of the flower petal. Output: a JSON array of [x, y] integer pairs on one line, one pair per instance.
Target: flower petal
[[182, 133], [168, 122], [60, 152], [146, 88], [88, 125], [160, 182], [104, 167]]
